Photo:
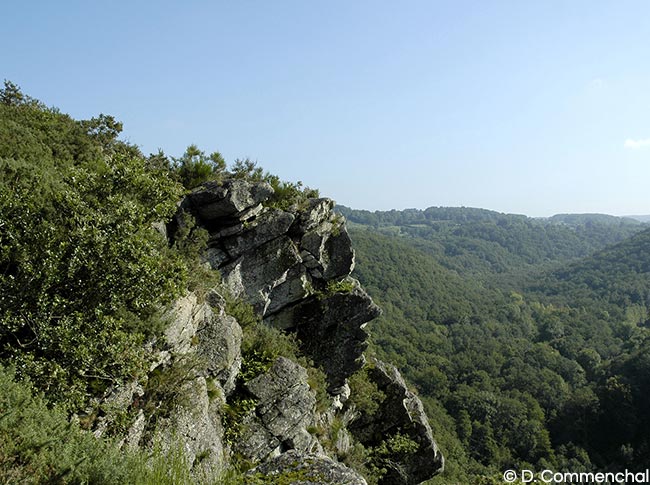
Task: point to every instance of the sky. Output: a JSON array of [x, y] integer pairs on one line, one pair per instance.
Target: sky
[[528, 107]]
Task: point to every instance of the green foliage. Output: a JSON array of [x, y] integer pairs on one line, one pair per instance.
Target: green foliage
[[104, 130], [190, 241], [261, 344], [195, 167], [342, 286], [82, 270], [395, 446], [346, 285], [482, 242], [286, 194], [522, 356], [11, 95], [364, 394], [234, 412], [317, 381], [247, 169], [164, 389], [39, 445], [254, 363]]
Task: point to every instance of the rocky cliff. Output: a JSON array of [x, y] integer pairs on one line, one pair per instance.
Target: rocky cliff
[[293, 266]]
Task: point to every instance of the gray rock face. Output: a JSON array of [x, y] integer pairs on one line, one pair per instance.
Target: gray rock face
[[185, 317], [256, 273], [196, 426], [293, 266], [331, 247], [210, 341], [307, 469], [227, 200], [296, 287], [214, 338], [219, 344], [331, 330], [285, 408], [268, 225], [316, 212], [401, 412]]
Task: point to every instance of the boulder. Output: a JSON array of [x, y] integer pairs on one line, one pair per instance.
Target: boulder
[[254, 274], [185, 317], [331, 247], [285, 407], [215, 338], [219, 345], [228, 200], [297, 286], [195, 425], [304, 469], [314, 214], [215, 257]]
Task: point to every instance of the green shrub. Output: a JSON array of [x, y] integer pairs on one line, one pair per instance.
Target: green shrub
[[364, 393], [39, 445], [286, 194], [343, 286], [82, 270], [195, 167], [191, 241], [164, 389]]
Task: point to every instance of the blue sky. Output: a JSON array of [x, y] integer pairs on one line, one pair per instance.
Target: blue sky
[[533, 107]]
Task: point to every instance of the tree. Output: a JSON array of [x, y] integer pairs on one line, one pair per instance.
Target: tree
[[82, 270], [195, 167]]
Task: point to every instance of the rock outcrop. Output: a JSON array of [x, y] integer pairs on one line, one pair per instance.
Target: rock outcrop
[[401, 413], [287, 264], [293, 265], [284, 409]]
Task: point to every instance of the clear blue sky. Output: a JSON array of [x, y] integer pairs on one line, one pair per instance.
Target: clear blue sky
[[533, 107]]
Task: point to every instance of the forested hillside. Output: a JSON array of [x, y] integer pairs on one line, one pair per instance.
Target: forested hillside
[[527, 339], [484, 242], [619, 274]]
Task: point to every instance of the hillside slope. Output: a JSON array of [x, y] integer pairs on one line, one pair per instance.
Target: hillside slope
[[483, 242], [550, 345], [619, 274]]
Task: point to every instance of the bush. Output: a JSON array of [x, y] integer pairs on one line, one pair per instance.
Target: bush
[[285, 194], [364, 393], [195, 167], [38, 445], [82, 270]]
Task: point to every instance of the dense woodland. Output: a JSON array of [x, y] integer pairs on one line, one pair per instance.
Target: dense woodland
[[527, 339]]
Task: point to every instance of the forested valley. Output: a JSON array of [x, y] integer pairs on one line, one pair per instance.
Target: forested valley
[[527, 339]]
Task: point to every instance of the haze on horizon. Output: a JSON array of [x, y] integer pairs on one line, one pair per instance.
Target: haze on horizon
[[534, 108]]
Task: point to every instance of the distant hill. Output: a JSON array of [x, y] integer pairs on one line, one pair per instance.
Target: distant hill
[[528, 339], [619, 273], [581, 219], [640, 218], [481, 242]]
